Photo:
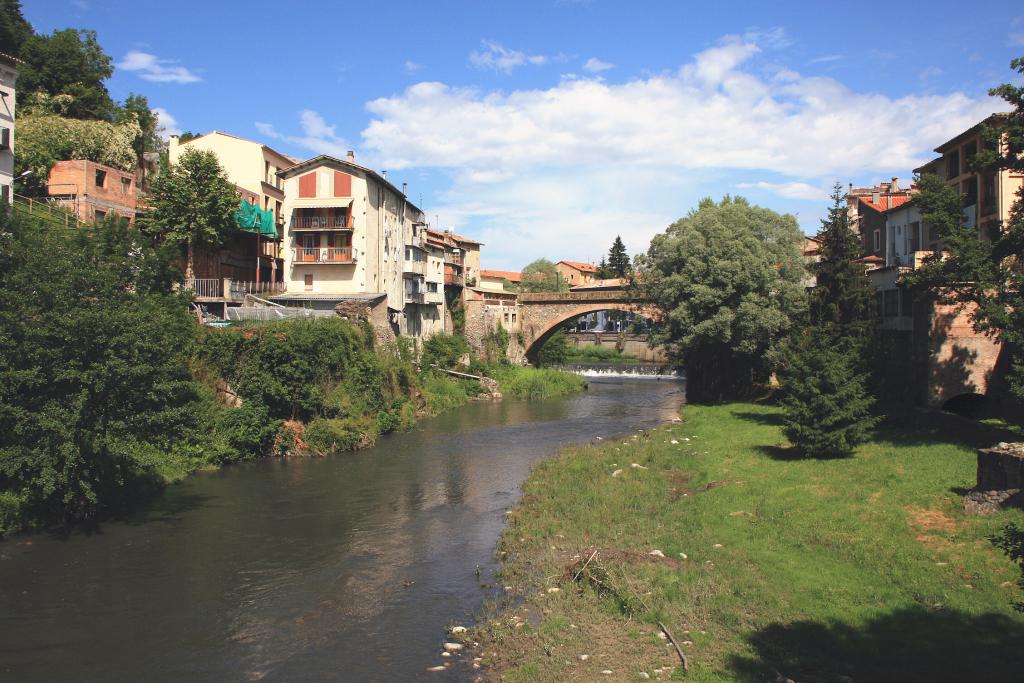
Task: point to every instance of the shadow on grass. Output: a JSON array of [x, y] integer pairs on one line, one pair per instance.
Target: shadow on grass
[[789, 453], [920, 427], [771, 419], [911, 645]]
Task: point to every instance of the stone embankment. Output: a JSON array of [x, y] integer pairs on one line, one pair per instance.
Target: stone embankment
[[1000, 479]]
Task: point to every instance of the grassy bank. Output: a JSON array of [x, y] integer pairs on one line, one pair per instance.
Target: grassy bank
[[598, 354], [864, 569]]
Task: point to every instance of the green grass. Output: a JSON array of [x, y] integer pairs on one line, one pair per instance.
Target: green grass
[[535, 383], [864, 567]]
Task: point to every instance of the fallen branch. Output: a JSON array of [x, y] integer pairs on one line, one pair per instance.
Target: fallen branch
[[679, 651], [592, 556]]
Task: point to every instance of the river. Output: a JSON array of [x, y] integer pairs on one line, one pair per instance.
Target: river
[[347, 568]]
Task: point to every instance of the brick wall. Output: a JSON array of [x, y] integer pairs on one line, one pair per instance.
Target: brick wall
[[118, 194]]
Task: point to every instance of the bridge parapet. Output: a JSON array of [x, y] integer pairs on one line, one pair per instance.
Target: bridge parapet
[[618, 295]]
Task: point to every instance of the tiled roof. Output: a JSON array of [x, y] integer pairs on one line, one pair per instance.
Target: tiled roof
[[509, 275], [886, 202], [584, 267]]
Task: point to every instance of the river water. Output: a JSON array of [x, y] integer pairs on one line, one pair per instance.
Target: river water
[[347, 568]]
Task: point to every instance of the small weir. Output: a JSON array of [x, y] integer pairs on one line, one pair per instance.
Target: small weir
[[630, 370]]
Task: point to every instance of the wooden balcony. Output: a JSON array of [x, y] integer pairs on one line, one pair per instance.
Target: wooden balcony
[[301, 222], [411, 267], [324, 255], [453, 259]]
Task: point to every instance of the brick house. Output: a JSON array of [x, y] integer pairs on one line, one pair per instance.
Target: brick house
[[93, 191]]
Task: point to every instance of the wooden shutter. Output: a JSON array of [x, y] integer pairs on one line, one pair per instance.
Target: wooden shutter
[[307, 185], [342, 184]]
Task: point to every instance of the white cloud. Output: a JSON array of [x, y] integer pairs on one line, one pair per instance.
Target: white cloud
[[500, 58], [317, 135], [595, 65], [412, 67], [166, 124], [152, 68], [825, 59], [791, 190], [568, 167]]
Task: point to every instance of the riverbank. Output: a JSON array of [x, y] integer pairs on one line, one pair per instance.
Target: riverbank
[[836, 570]]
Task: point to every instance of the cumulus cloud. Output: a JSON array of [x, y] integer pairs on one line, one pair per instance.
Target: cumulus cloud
[[583, 160], [152, 68], [317, 136], [166, 124], [500, 58], [595, 65], [792, 190]]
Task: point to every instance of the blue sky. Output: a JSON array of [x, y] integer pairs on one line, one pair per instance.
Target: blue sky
[[546, 128]]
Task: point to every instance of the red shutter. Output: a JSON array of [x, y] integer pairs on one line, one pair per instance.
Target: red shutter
[[342, 184], [307, 185], [351, 218]]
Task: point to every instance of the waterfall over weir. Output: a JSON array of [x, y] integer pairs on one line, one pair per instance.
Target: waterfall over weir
[[631, 370]]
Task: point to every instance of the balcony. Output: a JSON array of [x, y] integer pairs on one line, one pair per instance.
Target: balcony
[[453, 259], [227, 289], [302, 222], [324, 255], [434, 297], [452, 278], [415, 268], [415, 297]]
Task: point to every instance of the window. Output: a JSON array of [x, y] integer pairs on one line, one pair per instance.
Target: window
[[432, 287], [126, 185], [308, 281], [952, 164], [99, 215], [101, 177], [307, 185], [878, 240]]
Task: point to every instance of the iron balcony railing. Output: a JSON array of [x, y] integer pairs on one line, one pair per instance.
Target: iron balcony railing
[[239, 288], [324, 255], [320, 223], [206, 288]]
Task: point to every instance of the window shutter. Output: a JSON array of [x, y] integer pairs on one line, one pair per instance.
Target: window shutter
[[342, 184], [351, 205], [307, 185]]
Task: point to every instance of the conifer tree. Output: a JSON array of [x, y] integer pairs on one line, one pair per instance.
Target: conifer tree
[[827, 406], [618, 259]]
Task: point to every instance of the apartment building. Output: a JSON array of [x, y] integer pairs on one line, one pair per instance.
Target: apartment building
[[496, 279], [8, 78], [577, 273], [349, 233], [93, 191], [461, 257], [866, 207]]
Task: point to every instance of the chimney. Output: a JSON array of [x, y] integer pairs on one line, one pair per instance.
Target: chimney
[[894, 186], [405, 189], [384, 175], [876, 197], [350, 156]]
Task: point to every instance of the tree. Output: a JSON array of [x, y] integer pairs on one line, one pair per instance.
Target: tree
[[95, 389], [188, 135], [69, 62], [824, 368], [14, 29], [554, 351], [44, 139], [192, 203], [602, 269], [137, 107], [542, 276], [618, 260], [730, 280]]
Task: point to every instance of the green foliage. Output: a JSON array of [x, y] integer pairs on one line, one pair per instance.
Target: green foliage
[[541, 276], [618, 260], [14, 31], [496, 345], [330, 435], [248, 431], [827, 405], [442, 393], [457, 309], [554, 351], [93, 367], [45, 138], [192, 203], [136, 107], [444, 351], [730, 278], [69, 62], [599, 354], [535, 383], [188, 135], [1011, 541]]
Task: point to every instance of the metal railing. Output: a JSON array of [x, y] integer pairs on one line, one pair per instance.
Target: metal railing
[[211, 288], [319, 222], [324, 255], [54, 209], [239, 288]]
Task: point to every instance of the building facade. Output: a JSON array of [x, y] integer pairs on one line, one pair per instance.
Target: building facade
[[8, 80], [496, 279], [349, 232], [93, 191], [577, 273]]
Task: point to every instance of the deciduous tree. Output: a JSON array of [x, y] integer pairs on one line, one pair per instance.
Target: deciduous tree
[[192, 203], [69, 62], [542, 276], [730, 279]]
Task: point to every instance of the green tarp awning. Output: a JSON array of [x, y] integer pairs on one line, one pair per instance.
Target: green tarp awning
[[251, 218]]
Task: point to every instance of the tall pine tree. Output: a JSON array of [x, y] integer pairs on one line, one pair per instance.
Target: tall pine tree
[[618, 259], [827, 406]]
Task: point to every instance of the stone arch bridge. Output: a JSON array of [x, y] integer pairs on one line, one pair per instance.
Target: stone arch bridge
[[542, 313]]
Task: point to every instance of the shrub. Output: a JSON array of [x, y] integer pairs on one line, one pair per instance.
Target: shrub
[[443, 350], [330, 435], [555, 350]]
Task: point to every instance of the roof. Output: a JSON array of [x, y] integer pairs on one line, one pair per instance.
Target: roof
[[443, 236], [321, 159], [886, 202], [11, 58], [326, 296], [973, 129], [580, 266], [235, 137], [509, 275]]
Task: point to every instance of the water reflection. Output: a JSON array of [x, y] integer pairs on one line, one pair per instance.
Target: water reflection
[[345, 568]]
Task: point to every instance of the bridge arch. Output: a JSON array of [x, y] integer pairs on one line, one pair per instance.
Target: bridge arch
[[544, 314]]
